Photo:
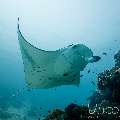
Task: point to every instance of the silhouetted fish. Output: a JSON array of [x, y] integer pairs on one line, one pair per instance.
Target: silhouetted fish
[[88, 71], [104, 53], [93, 83]]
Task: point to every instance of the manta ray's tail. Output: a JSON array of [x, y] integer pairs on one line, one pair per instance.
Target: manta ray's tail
[[18, 24]]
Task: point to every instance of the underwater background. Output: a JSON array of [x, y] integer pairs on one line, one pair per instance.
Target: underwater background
[[51, 25]]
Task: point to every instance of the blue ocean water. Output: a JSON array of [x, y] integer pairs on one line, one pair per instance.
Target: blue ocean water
[[51, 25]]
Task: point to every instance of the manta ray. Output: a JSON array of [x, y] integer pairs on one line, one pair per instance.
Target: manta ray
[[48, 69]]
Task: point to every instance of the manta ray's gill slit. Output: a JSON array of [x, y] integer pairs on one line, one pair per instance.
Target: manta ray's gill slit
[[70, 45]]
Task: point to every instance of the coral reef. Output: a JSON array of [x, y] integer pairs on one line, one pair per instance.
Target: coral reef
[[117, 59], [75, 112], [109, 84], [96, 98], [71, 112], [104, 111], [56, 114]]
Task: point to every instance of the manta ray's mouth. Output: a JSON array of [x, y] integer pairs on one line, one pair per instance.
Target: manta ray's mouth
[[94, 59]]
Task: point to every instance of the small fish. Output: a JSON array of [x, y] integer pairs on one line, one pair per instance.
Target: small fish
[[81, 75], [43, 115], [65, 74], [28, 89], [54, 89], [40, 108], [104, 53], [70, 45], [73, 79], [93, 83], [88, 71], [49, 111]]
